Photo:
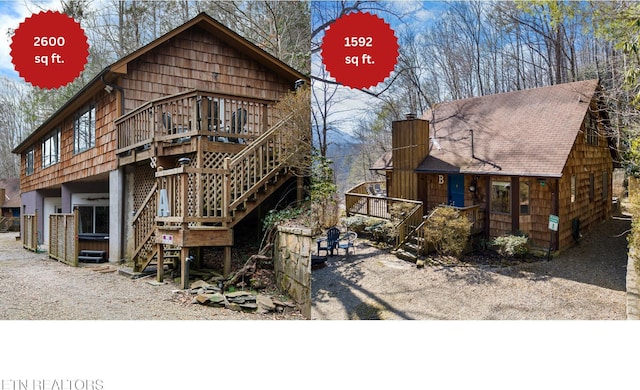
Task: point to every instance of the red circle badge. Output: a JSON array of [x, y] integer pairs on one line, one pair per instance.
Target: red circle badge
[[359, 50], [49, 49]]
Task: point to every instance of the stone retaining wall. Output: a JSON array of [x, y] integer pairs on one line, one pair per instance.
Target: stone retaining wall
[[292, 264]]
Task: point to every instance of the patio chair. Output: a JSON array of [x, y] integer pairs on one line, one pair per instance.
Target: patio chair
[[238, 121], [348, 241], [330, 243]]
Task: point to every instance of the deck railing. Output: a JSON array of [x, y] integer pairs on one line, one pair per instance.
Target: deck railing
[[406, 214], [196, 195], [175, 118], [362, 200]]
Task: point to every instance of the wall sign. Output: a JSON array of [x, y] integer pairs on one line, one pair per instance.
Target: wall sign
[[554, 221]]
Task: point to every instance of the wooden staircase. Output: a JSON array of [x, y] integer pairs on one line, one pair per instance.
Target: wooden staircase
[[4, 224], [412, 246], [208, 197]]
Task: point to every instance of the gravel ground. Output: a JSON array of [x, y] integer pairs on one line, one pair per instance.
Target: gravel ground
[[34, 287], [584, 282]]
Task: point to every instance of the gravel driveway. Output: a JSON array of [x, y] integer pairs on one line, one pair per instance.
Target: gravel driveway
[[584, 282], [34, 287]]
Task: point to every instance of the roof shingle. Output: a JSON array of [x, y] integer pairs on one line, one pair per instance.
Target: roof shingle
[[523, 133]]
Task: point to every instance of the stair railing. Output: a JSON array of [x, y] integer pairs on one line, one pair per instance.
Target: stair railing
[[144, 228], [254, 166]]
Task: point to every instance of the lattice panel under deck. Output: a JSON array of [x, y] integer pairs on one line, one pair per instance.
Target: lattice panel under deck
[[143, 181], [214, 160]]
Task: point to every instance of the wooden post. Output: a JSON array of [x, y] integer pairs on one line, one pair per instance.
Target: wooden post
[[76, 241], [515, 204], [184, 195], [160, 270], [34, 236], [265, 118], [227, 261], [184, 280], [226, 189]]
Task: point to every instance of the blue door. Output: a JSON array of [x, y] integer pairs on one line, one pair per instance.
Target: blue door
[[455, 195]]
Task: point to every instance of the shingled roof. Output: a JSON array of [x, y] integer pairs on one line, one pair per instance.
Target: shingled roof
[[521, 133]]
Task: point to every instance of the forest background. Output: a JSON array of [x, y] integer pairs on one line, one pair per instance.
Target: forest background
[[448, 50]]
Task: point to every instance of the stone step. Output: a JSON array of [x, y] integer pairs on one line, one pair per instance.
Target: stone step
[[411, 247], [404, 255]]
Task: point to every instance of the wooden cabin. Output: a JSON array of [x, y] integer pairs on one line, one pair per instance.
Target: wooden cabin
[[170, 146], [513, 158]]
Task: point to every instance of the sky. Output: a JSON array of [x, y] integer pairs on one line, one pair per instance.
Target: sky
[[354, 104], [12, 13]]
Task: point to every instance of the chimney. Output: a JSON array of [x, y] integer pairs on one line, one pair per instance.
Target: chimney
[[2, 196], [410, 143]]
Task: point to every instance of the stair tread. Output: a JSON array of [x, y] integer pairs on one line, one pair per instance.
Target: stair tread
[[404, 255]]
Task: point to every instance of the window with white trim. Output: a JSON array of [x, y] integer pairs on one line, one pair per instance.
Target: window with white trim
[[29, 160], [84, 130], [51, 148]]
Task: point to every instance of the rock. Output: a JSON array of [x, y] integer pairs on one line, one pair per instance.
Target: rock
[[234, 307], [214, 299], [200, 284], [217, 298], [203, 298], [420, 263], [265, 304], [248, 306], [283, 304], [236, 294]]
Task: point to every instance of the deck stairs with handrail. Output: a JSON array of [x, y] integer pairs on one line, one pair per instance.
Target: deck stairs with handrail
[[216, 184]]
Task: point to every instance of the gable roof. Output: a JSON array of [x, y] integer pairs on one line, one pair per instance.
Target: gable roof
[[521, 133], [111, 72], [11, 192]]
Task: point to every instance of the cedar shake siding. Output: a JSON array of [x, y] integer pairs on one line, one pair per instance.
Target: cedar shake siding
[[198, 60], [98, 160], [521, 151]]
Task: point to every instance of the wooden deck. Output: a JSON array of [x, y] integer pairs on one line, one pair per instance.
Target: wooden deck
[[407, 215], [215, 157]]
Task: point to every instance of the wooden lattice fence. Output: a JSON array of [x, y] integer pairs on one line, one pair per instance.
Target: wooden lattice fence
[[63, 238], [30, 234]]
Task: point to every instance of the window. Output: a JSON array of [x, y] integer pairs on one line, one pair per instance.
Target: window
[[51, 148], [592, 189], [573, 188], [591, 129], [84, 130], [605, 185], [500, 198], [524, 198], [94, 219], [29, 161]]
